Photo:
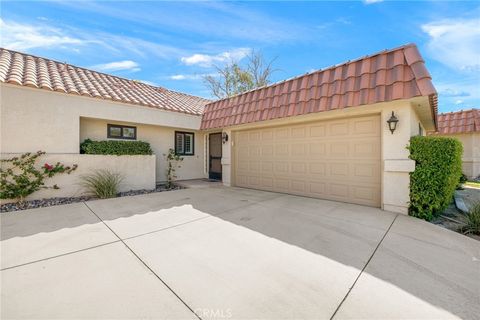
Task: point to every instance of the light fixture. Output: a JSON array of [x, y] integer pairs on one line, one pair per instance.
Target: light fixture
[[392, 122], [224, 137]]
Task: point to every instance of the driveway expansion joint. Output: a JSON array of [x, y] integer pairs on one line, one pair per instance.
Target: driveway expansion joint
[[364, 267], [145, 264], [60, 255]]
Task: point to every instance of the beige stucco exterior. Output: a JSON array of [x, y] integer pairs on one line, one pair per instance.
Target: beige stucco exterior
[[396, 165], [138, 172], [471, 153], [33, 119], [160, 139]]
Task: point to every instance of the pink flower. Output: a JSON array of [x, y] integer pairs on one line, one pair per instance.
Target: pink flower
[[48, 167]]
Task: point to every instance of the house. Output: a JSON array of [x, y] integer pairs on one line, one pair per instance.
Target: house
[[465, 126], [323, 134]]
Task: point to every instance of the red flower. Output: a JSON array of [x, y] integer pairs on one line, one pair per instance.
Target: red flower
[[48, 167]]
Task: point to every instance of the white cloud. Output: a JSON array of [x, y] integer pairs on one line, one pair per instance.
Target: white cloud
[[449, 92], [18, 36], [178, 77], [195, 76], [206, 60], [455, 43], [458, 101], [125, 65], [23, 36], [371, 1], [149, 83]]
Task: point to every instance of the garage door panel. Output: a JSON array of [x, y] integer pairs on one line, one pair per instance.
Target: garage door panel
[[364, 193], [298, 150], [298, 168], [336, 160], [318, 149], [298, 133], [318, 189], [242, 139], [267, 150], [267, 167], [338, 128], [318, 168], [267, 135], [254, 136], [318, 131], [253, 181], [365, 127], [254, 150], [282, 133], [339, 170], [299, 186], [267, 183], [339, 149], [254, 166], [281, 185]]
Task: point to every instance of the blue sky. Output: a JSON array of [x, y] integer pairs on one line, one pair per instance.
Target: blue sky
[[172, 44]]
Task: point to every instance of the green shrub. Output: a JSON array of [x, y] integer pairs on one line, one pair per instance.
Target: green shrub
[[21, 176], [473, 220], [438, 168], [114, 147], [101, 183]]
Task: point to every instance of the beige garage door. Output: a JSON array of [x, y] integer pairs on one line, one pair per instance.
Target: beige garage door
[[335, 159]]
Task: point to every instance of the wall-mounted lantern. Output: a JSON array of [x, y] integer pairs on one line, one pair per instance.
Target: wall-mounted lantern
[[392, 122], [224, 137]]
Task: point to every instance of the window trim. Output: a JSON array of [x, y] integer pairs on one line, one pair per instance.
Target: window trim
[[121, 126], [193, 143]]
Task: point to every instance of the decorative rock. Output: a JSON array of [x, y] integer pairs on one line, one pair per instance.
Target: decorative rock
[[32, 204]]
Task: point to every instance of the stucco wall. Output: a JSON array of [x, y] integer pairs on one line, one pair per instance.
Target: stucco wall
[[160, 139], [33, 119], [471, 153], [138, 172], [396, 164]]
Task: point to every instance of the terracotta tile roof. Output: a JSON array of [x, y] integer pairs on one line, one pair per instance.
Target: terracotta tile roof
[[27, 70], [389, 75], [459, 122]]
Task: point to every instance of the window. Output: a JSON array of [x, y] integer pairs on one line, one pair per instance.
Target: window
[[184, 143], [115, 131]]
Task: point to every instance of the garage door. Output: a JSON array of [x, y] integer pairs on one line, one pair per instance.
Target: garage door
[[335, 159]]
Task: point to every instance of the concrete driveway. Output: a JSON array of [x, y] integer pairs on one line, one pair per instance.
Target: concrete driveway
[[220, 253]]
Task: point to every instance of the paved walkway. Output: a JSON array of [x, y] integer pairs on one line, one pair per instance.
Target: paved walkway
[[220, 253]]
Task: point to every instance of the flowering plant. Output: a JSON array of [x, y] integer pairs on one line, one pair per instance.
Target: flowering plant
[[19, 177]]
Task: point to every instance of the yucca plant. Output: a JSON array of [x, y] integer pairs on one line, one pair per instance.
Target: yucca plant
[[101, 183], [472, 220]]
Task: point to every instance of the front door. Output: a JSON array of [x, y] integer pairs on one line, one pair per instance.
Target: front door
[[215, 156]]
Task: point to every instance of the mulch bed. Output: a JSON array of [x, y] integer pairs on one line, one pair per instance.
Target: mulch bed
[[32, 204]]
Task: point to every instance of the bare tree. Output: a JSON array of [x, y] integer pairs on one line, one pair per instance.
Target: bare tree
[[232, 78]]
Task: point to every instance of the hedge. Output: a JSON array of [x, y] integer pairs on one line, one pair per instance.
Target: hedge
[[114, 147], [438, 168]]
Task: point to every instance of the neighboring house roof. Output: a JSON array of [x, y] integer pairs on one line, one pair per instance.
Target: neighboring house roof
[[389, 75], [27, 70], [459, 122]]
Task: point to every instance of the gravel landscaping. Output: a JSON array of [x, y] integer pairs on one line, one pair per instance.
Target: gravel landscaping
[[452, 218], [32, 204]]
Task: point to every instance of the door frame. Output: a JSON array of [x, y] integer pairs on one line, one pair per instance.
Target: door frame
[[214, 175]]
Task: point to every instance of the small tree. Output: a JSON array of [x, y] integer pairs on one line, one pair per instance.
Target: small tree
[[19, 177], [232, 78], [173, 160]]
